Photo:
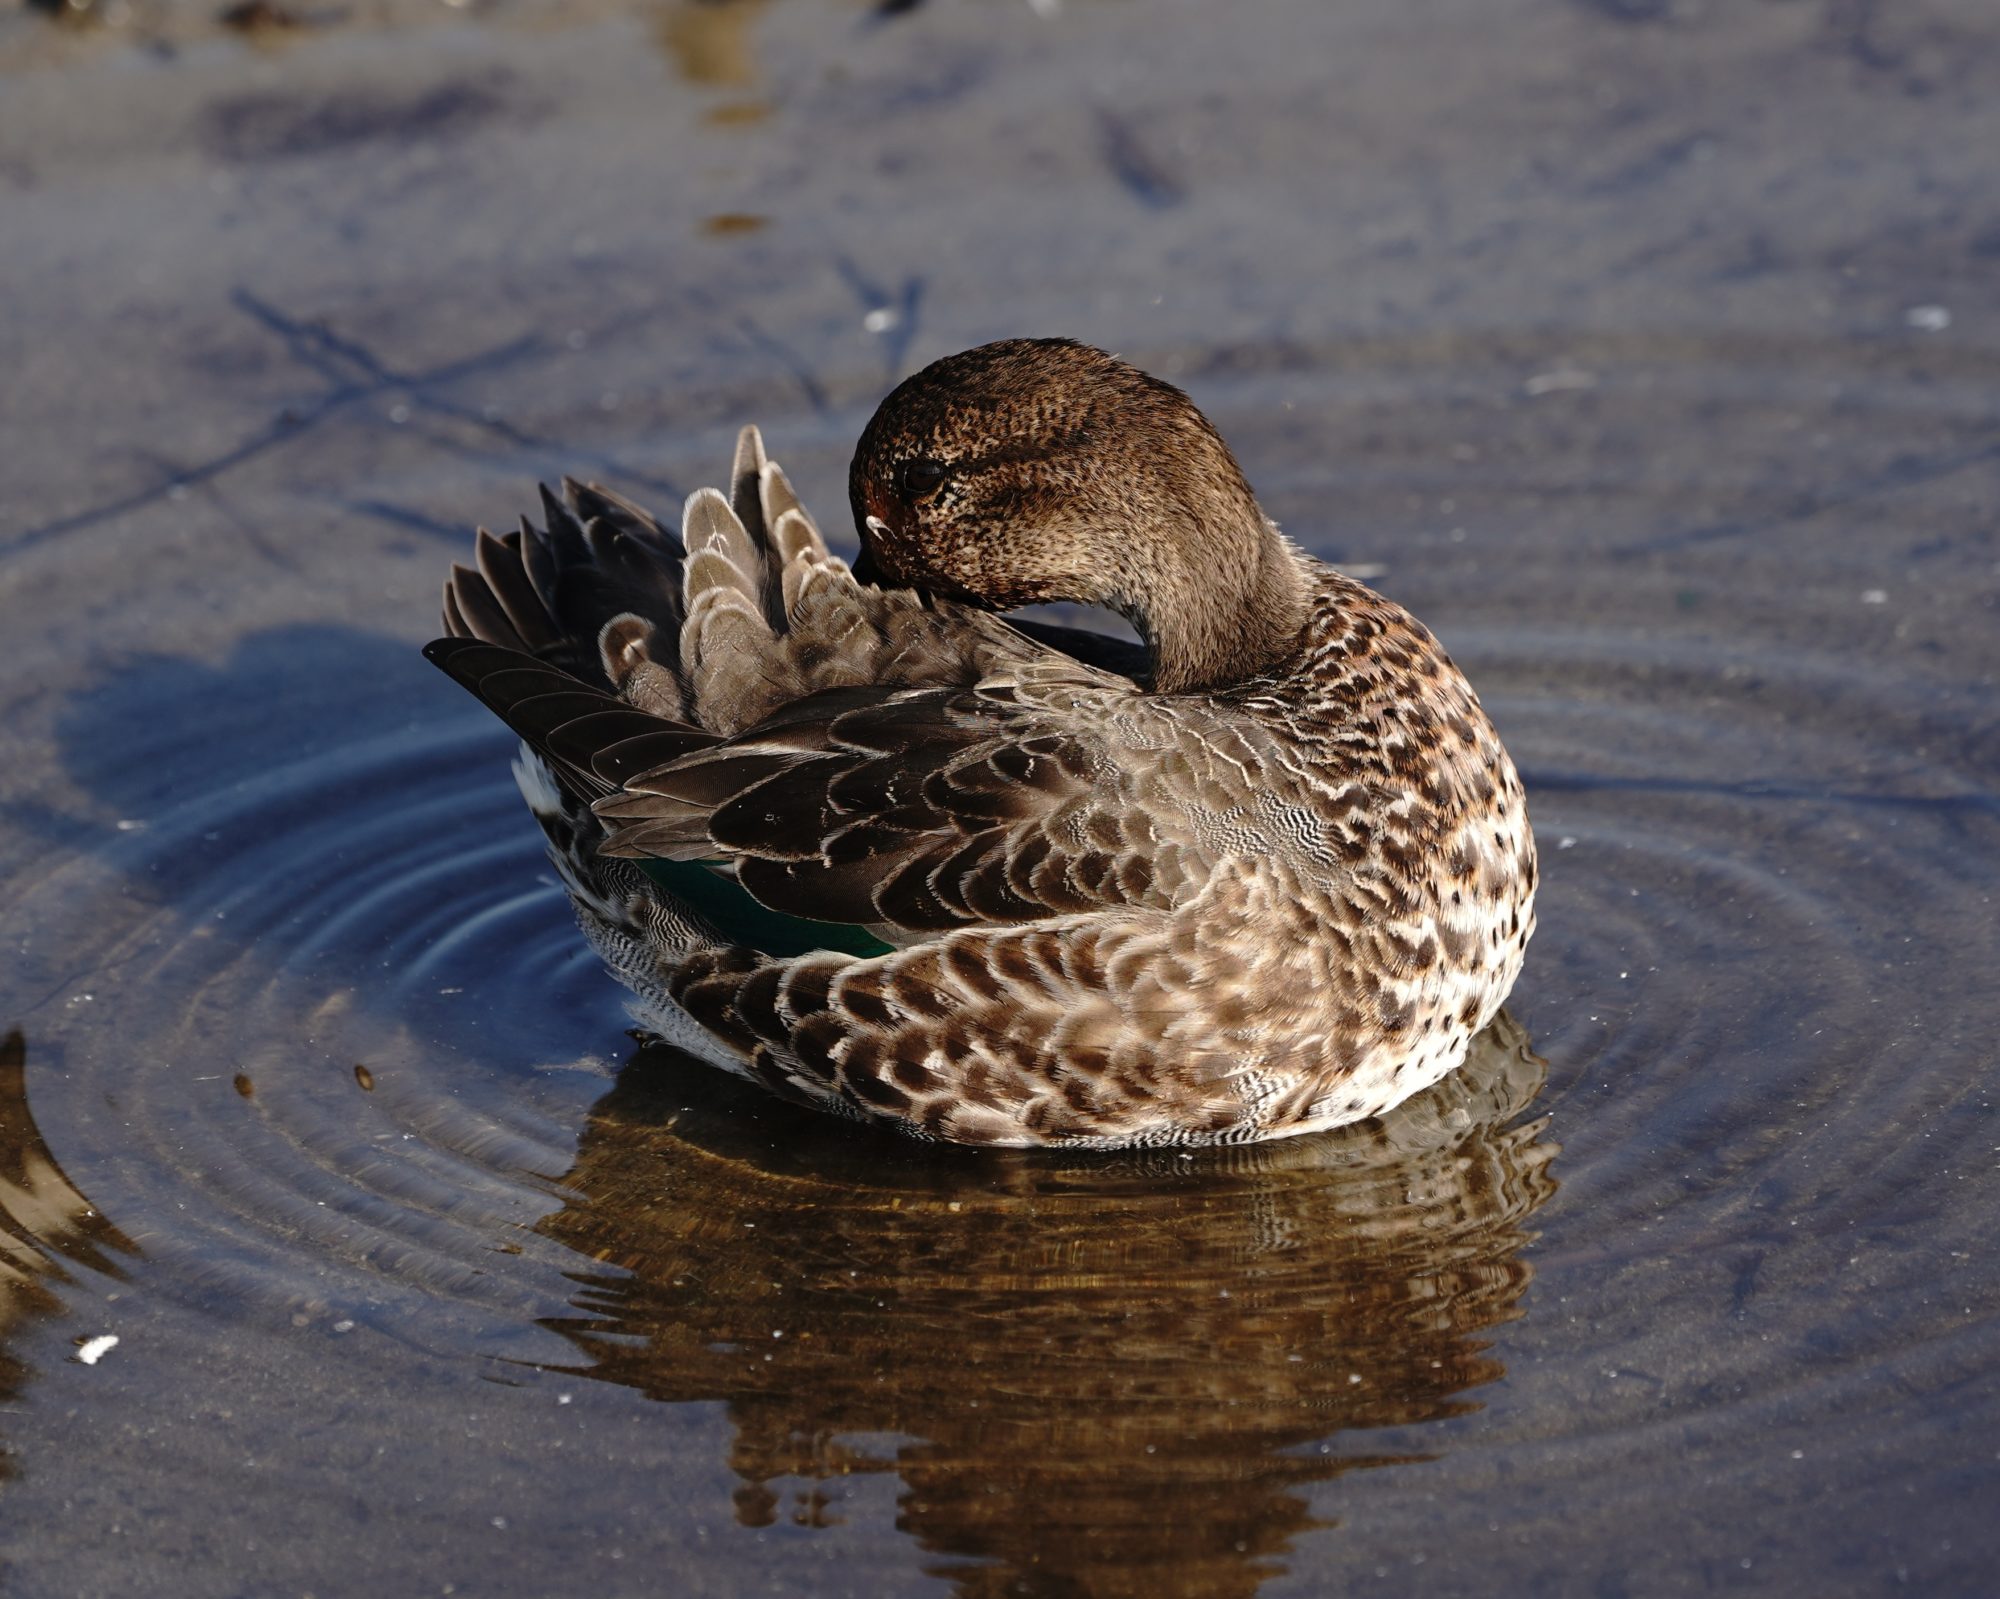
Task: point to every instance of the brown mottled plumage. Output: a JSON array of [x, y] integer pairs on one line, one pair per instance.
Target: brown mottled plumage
[[1268, 876]]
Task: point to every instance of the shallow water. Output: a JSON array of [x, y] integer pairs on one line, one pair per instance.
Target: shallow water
[[1651, 353]]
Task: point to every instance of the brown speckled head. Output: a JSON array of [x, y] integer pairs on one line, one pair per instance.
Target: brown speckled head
[[1034, 470]]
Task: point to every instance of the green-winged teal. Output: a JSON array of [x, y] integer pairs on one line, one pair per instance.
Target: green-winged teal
[[849, 833]]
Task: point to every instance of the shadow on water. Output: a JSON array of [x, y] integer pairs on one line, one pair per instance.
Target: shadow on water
[[1102, 1374], [146, 732]]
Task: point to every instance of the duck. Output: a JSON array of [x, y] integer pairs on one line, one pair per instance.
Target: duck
[[854, 832]]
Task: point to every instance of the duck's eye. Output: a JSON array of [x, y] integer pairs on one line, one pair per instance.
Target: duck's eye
[[921, 475]]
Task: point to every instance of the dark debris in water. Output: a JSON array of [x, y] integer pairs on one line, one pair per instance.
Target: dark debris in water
[[271, 16], [271, 126]]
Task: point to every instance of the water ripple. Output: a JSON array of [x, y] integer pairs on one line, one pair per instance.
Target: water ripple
[[309, 1024]]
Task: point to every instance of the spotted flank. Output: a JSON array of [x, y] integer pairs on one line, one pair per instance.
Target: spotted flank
[[853, 835]]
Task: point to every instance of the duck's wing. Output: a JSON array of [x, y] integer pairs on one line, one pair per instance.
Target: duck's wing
[[1043, 790], [973, 913], [589, 737], [744, 612]]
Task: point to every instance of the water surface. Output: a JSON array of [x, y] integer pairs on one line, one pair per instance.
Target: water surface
[[1650, 353]]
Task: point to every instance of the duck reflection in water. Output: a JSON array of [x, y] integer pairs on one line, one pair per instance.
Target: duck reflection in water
[[48, 1228], [1103, 1374]]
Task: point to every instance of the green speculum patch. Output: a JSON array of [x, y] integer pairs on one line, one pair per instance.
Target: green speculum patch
[[733, 912]]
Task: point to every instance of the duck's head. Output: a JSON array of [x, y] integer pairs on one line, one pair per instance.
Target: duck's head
[[1036, 470]]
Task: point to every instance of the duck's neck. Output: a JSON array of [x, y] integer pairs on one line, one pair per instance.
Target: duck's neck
[[1221, 605]]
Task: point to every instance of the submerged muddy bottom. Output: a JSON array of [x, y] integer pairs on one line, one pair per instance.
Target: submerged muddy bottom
[[1651, 356]]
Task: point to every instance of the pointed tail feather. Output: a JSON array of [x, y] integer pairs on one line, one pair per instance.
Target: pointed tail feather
[[551, 592]]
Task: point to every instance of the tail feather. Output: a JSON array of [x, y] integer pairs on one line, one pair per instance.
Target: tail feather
[[696, 627], [470, 604], [746, 474], [597, 504], [614, 646], [511, 586], [551, 591], [793, 533], [727, 642]]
